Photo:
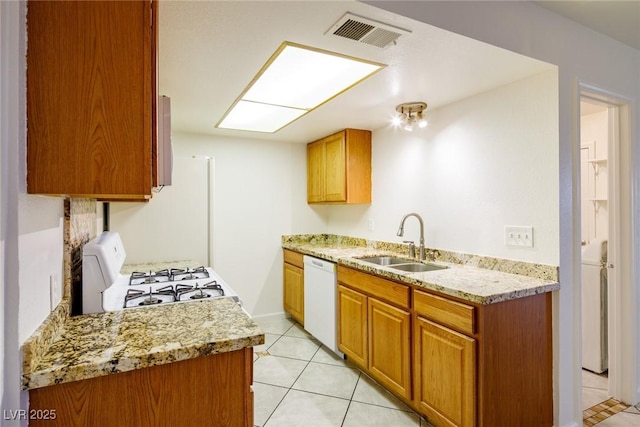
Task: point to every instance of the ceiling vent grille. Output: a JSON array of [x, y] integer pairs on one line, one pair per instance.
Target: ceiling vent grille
[[365, 30]]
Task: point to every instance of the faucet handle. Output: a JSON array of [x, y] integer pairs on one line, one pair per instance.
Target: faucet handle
[[412, 248]]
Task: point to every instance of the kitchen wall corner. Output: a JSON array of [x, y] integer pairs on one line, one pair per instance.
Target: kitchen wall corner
[[80, 218]]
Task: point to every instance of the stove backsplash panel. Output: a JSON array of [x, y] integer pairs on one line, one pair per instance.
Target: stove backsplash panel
[[80, 220]]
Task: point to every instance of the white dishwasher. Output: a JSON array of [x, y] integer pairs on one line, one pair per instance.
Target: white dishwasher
[[320, 301]]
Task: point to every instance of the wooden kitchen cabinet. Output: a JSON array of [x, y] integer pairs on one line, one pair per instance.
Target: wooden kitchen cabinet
[[456, 362], [293, 286], [483, 365], [374, 327], [444, 360], [91, 98], [352, 325], [445, 374], [389, 346], [213, 390], [339, 168]]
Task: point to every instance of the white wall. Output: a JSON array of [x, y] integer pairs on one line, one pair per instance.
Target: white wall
[[174, 225], [582, 56], [594, 180], [40, 245], [482, 163], [259, 195], [31, 225]]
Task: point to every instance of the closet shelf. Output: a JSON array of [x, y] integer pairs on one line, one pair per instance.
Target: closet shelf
[[597, 164]]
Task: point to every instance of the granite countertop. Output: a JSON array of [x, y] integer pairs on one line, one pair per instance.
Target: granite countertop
[[93, 345], [460, 280]]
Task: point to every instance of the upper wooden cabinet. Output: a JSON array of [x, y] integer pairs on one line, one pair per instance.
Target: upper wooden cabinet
[[91, 98], [339, 168]]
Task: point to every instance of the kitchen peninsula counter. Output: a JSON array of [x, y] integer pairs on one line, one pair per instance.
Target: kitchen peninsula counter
[[481, 280], [95, 345]]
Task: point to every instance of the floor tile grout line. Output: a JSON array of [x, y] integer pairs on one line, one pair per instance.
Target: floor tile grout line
[[353, 393], [351, 399], [308, 362], [297, 378], [274, 409], [288, 388], [321, 394]]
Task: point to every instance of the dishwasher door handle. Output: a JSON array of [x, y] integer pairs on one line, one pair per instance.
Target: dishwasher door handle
[[319, 264]]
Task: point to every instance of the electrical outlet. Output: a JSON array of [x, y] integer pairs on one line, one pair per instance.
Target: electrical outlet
[[55, 291], [372, 224], [518, 236]]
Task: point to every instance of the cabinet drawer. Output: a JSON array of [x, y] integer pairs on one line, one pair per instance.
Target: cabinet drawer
[[387, 290], [294, 258], [453, 314]]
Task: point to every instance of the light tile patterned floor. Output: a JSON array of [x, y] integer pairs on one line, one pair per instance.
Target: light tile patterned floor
[[299, 382], [599, 410], [296, 382]]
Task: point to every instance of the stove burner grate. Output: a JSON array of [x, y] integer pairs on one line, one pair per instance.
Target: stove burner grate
[[188, 273], [150, 298], [195, 292], [146, 278]]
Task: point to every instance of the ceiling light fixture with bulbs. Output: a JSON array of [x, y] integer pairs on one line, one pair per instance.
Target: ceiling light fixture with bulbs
[[410, 114]]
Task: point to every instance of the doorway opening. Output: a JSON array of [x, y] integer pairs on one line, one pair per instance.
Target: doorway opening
[[606, 286], [595, 167]]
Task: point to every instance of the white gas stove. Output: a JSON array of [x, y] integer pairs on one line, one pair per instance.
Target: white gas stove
[[104, 288]]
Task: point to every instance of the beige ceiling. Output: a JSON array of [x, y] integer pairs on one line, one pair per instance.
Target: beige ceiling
[[211, 50], [619, 20]]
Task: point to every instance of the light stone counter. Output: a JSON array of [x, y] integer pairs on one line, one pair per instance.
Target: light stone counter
[[93, 345], [475, 279]]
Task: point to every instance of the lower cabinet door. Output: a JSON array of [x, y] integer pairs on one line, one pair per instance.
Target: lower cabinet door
[[294, 292], [389, 347], [445, 374], [352, 325]]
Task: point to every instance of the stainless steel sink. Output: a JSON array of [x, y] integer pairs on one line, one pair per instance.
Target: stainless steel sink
[[402, 264], [385, 260], [415, 267]]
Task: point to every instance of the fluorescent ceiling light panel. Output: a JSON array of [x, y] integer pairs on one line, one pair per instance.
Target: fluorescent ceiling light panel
[[258, 117], [295, 80]]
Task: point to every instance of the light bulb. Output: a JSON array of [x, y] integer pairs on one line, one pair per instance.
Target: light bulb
[[422, 122]]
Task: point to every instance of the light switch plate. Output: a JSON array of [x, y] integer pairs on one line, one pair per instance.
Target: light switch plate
[[518, 236]]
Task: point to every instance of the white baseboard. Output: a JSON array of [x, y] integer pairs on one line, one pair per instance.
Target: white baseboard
[[280, 315], [574, 424]]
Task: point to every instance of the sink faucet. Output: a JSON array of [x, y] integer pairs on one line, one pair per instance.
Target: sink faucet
[[401, 232]]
